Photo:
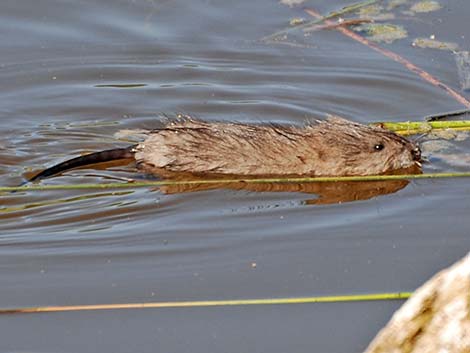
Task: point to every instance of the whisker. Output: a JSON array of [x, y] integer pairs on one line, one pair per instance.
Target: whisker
[[417, 139]]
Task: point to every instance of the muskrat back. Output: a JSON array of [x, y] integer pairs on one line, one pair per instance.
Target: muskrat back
[[335, 147]]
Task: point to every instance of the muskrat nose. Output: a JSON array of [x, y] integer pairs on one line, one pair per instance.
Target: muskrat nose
[[416, 153]]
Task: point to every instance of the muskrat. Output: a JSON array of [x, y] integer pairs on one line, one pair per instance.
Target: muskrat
[[335, 147]]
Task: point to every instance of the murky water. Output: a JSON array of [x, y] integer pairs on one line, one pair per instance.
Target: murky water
[[75, 73]]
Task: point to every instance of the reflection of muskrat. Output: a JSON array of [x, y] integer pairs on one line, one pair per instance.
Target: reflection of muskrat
[[335, 147]]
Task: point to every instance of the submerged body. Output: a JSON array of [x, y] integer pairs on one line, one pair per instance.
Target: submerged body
[[335, 147]]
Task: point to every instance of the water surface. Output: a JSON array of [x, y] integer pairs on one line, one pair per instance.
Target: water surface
[[75, 73]]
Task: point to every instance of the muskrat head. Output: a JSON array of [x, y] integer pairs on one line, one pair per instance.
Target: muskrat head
[[366, 150]]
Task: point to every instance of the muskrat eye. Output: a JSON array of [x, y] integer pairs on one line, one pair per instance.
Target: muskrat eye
[[379, 147]]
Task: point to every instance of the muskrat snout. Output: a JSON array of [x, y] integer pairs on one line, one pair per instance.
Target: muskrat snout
[[416, 156], [416, 153]]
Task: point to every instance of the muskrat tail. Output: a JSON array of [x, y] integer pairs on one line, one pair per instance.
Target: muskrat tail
[[92, 158]]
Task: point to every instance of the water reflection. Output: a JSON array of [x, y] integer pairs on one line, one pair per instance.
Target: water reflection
[[326, 192]]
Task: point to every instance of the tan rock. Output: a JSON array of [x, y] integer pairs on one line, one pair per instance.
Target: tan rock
[[436, 319]]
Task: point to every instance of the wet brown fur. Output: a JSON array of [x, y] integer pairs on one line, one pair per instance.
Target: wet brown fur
[[335, 147]]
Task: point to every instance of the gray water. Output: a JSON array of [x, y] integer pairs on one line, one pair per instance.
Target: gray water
[[74, 73]]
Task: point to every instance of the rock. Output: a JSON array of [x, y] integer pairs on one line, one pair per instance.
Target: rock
[[435, 319]]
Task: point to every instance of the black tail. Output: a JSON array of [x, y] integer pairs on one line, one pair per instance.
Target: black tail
[[92, 158]]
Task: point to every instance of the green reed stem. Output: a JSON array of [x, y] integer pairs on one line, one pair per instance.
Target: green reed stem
[[231, 181], [210, 303], [417, 127]]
